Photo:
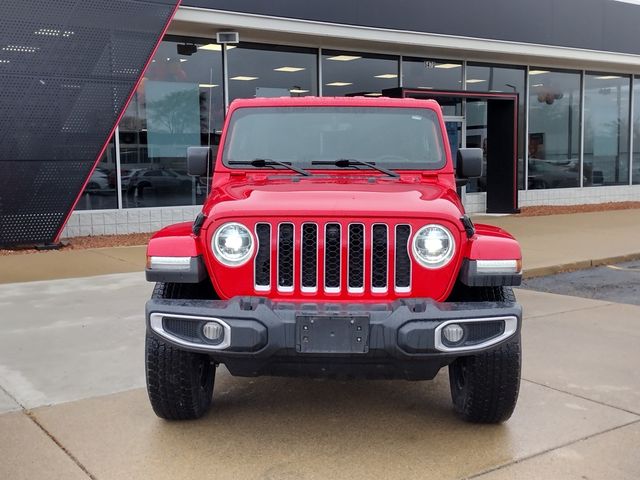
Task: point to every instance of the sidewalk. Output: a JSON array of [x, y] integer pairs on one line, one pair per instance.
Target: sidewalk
[[556, 243], [71, 263], [550, 244]]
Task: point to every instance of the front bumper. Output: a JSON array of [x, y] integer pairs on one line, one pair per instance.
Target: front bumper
[[259, 333]]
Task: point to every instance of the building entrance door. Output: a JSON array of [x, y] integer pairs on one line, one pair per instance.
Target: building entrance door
[[487, 120]]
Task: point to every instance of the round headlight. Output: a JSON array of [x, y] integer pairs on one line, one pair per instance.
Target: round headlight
[[433, 246], [232, 244]]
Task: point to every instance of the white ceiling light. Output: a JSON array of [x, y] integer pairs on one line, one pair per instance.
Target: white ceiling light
[[298, 90], [448, 65], [183, 60], [4, 61], [475, 80], [207, 85], [344, 58], [387, 75], [214, 47], [373, 94], [537, 72], [338, 84], [289, 69], [608, 77], [244, 78], [538, 85], [19, 48], [53, 32]]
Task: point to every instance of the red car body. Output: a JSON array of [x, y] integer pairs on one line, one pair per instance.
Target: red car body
[[368, 290], [258, 195]]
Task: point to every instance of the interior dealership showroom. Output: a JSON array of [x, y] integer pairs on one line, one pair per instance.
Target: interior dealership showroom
[[555, 106]]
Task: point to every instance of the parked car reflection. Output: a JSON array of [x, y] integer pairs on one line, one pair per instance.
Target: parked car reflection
[[156, 186], [553, 174], [99, 180]]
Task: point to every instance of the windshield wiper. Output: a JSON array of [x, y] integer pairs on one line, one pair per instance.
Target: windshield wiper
[[350, 162], [267, 162]]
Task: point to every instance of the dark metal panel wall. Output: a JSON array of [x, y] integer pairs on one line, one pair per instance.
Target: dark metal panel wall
[[606, 25], [67, 69]]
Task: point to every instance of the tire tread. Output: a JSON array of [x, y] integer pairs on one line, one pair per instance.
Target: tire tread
[[173, 383], [492, 378]]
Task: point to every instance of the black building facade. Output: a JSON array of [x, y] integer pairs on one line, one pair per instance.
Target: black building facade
[[572, 66]]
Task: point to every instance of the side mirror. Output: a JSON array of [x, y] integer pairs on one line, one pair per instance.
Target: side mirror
[[198, 161], [469, 163]]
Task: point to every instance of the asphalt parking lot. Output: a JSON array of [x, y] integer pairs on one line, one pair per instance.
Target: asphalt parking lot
[[616, 283], [73, 406]]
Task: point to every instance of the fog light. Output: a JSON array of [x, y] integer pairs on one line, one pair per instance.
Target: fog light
[[453, 333], [213, 331]]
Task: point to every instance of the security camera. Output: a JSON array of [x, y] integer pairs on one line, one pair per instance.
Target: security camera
[[186, 49]]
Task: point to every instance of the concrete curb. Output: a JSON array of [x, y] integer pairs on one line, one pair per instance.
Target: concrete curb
[[575, 266]]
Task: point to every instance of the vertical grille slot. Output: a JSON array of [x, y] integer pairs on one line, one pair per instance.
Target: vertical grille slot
[[332, 250], [262, 266], [309, 257], [285, 257], [379, 261], [356, 258], [403, 262]]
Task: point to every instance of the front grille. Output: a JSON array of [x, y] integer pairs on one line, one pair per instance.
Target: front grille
[[309, 257], [356, 258], [372, 257], [285, 257], [403, 262], [478, 332], [262, 268], [332, 254], [379, 260], [182, 328]]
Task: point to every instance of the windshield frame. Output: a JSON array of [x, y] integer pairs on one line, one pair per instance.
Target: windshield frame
[[442, 142]]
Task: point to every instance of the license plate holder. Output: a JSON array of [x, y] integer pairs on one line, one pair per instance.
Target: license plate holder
[[332, 334]]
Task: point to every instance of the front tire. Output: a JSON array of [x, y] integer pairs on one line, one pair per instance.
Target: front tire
[[485, 387], [179, 383]]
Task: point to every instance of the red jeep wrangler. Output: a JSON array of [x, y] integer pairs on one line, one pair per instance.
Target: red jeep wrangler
[[333, 244]]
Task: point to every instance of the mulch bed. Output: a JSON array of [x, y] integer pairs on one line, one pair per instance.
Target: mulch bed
[[563, 209]]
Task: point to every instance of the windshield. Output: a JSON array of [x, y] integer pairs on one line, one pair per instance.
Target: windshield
[[394, 138]]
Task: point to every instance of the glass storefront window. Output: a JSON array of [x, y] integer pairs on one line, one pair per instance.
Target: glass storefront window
[[271, 71], [431, 74], [350, 73], [493, 78], [606, 129], [101, 190], [636, 130], [179, 103], [554, 129]]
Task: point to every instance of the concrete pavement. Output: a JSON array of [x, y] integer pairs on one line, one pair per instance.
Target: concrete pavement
[[71, 354], [550, 244], [72, 403], [58, 335]]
